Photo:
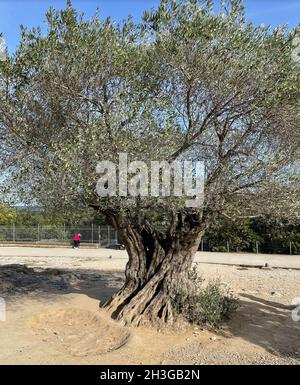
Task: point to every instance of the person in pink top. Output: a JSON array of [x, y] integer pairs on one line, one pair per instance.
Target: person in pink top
[[76, 240]]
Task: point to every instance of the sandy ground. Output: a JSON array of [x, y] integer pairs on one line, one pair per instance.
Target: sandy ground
[[53, 316], [94, 254]]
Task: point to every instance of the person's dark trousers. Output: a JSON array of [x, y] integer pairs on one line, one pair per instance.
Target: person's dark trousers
[[76, 244]]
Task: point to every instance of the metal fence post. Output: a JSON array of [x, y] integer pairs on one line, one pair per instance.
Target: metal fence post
[[99, 235], [291, 249], [92, 233], [256, 247], [14, 232], [228, 249], [38, 232]]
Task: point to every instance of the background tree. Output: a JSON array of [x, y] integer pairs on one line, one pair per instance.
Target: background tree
[[8, 215], [184, 84]]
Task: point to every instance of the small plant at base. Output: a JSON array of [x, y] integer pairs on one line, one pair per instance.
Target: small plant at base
[[210, 305], [217, 304]]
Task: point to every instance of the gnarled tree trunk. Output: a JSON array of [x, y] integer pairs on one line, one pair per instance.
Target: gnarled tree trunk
[[158, 264]]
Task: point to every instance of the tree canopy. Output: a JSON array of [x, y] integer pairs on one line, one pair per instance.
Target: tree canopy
[[184, 83]]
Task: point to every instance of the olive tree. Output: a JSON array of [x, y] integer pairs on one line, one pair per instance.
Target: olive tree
[[185, 83]]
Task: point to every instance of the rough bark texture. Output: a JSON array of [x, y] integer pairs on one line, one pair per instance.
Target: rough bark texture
[[158, 263]]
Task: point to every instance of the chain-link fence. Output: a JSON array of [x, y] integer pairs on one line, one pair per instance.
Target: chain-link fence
[[275, 247], [107, 236], [101, 235]]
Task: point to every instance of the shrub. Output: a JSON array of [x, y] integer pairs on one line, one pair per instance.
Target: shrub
[[216, 304], [210, 304]]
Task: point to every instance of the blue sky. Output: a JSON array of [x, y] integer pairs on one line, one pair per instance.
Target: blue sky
[[31, 12]]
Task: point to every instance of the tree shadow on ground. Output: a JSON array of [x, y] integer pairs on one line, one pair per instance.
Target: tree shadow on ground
[[16, 280], [267, 324]]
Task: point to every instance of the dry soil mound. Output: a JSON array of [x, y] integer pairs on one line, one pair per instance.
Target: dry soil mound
[[79, 332]]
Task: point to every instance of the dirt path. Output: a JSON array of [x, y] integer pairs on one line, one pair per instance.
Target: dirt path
[[53, 317], [68, 255]]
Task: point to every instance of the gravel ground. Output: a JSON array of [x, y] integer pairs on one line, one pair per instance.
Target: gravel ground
[[261, 332], [196, 354]]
